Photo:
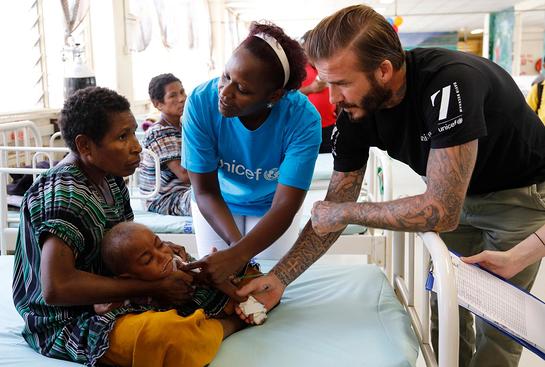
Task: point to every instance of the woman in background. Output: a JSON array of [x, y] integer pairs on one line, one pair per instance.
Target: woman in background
[[58, 272], [164, 138]]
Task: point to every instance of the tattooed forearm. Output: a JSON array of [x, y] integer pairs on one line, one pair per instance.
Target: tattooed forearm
[[306, 250], [309, 247], [449, 171], [438, 209]]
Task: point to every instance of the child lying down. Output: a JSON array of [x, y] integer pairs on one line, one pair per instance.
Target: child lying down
[[132, 250]]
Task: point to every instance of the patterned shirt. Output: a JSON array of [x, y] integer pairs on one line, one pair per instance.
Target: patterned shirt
[[62, 202], [166, 142]]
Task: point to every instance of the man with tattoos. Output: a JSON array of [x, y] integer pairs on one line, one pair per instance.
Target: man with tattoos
[[455, 118]]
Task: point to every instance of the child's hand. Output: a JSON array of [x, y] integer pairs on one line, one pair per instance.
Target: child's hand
[[267, 290], [179, 250], [253, 310]]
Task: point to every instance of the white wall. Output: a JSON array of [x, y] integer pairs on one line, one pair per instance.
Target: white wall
[[532, 49]]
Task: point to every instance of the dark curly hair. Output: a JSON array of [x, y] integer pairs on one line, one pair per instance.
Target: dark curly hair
[[156, 88], [87, 112], [294, 52]]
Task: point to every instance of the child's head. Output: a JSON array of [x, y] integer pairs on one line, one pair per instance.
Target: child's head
[[133, 250]]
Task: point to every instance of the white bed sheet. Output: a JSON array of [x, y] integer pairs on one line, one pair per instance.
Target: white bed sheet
[[331, 316], [14, 351]]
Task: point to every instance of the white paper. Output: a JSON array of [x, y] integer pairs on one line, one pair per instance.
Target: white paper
[[500, 303]]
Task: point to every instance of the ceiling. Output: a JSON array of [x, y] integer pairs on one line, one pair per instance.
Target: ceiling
[[297, 16]]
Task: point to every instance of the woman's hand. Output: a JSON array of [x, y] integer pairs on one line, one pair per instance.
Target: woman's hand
[[267, 289], [218, 266], [498, 262], [174, 289]]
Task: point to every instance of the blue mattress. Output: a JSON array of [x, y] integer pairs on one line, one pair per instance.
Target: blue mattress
[[330, 316], [164, 223], [13, 218]]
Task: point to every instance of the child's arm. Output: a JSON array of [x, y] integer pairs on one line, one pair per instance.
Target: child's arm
[[230, 289]]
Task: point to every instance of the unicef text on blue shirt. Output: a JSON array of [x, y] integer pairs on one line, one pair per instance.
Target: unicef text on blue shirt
[[241, 170]]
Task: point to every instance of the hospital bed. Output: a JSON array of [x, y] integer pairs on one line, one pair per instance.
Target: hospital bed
[[331, 315]]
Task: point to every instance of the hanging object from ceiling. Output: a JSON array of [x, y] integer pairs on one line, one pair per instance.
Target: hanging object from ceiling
[[395, 22]]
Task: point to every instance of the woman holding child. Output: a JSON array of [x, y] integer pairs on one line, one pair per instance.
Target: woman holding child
[[58, 272]]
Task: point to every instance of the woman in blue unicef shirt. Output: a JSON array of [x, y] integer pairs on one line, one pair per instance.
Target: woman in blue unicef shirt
[[250, 142]]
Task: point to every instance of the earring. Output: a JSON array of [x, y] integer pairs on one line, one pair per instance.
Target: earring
[[270, 105]]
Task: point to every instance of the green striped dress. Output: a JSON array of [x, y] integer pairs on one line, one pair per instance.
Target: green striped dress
[[63, 202]]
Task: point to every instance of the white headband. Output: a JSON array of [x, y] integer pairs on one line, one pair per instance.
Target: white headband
[[279, 51]]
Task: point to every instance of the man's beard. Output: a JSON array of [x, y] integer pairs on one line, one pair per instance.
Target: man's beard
[[373, 101]]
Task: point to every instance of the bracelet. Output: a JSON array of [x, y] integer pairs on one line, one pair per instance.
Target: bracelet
[[539, 238]]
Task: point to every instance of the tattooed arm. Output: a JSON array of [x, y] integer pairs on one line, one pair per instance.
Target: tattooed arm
[[344, 187], [438, 209], [449, 171], [309, 247]]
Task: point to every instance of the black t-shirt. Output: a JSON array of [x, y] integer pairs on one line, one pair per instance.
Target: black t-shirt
[[451, 99]]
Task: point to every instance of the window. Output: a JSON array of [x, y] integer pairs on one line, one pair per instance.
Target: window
[[21, 65], [189, 54], [31, 69], [54, 31]]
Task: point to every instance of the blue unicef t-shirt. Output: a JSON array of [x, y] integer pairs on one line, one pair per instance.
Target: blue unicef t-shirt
[[251, 163]]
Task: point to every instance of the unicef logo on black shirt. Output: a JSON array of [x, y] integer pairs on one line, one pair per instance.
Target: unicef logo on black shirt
[[240, 170]]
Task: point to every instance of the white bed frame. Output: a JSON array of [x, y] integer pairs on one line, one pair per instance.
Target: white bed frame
[[393, 251], [408, 272]]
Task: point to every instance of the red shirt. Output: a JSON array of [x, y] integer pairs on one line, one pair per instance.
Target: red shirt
[[320, 100]]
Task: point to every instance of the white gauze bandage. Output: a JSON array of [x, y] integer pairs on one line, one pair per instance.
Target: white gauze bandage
[[252, 307], [279, 51]]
